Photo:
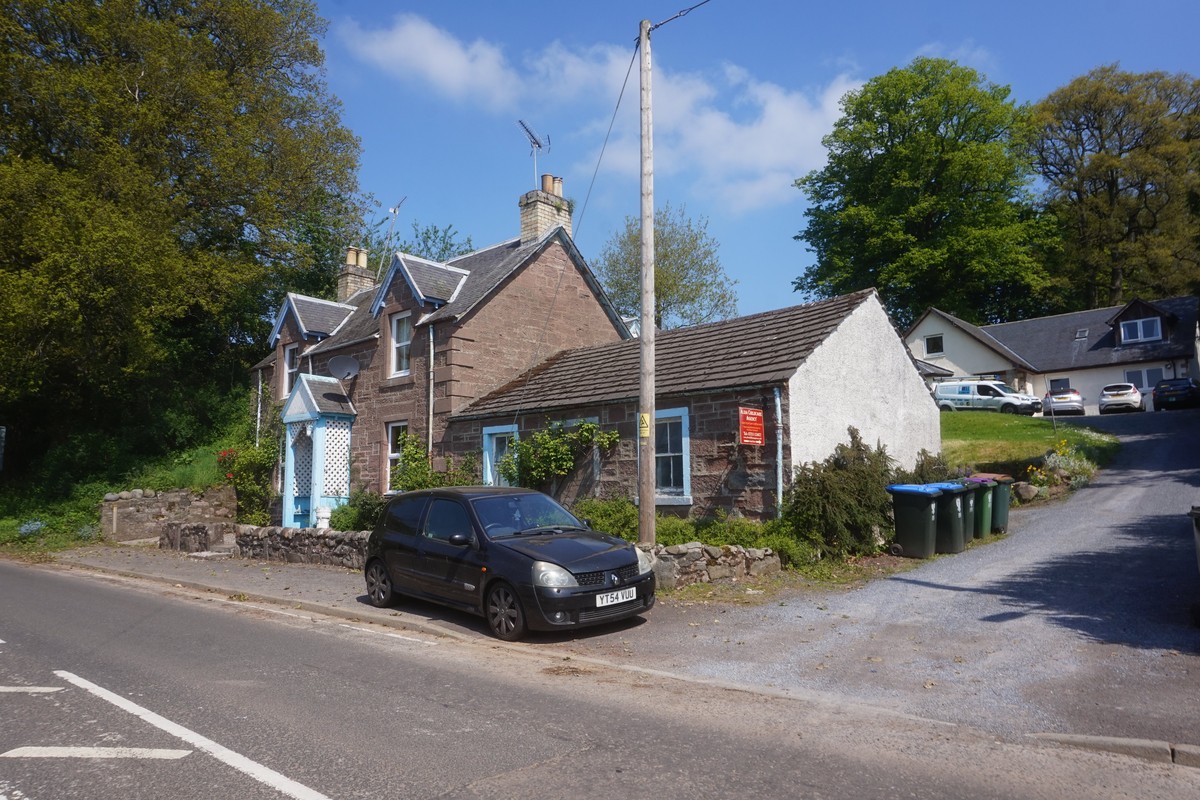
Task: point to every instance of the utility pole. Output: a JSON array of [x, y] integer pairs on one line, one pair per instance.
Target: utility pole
[[646, 426]]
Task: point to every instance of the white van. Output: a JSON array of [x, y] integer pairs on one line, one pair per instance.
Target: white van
[[966, 395]]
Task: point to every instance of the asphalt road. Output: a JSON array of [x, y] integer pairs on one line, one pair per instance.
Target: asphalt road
[[1078, 622], [120, 690]]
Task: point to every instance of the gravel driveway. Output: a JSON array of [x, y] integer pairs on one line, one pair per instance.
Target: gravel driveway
[[1078, 622]]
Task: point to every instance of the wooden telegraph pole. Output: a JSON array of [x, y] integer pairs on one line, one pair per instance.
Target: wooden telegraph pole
[[646, 427]]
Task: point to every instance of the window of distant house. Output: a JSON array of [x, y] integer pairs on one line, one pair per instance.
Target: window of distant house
[[672, 462], [401, 343], [933, 345], [396, 431], [497, 440], [1141, 330], [291, 367]]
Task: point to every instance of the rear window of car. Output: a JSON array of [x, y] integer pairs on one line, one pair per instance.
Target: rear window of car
[[1119, 387], [1172, 383]]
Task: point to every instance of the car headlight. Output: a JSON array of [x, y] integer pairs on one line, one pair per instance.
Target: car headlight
[[552, 575], [645, 561]]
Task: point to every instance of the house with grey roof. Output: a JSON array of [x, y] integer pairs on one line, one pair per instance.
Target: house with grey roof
[[1141, 342], [411, 348], [739, 404], [477, 352]]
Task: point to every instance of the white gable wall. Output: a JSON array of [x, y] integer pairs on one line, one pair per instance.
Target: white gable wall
[[963, 354], [862, 376]]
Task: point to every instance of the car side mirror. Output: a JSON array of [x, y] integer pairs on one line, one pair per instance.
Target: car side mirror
[[459, 539], [587, 523]]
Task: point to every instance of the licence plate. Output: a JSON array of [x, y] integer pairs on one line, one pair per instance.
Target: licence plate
[[619, 596]]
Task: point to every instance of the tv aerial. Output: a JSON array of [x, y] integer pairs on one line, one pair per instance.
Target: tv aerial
[[343, 367], [535, 144]]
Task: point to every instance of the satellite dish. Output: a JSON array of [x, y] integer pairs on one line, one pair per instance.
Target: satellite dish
[[343, 367]]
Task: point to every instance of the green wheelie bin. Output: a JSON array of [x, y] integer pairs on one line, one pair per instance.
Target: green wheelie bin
[[915, 508], [983, 505], [1001, 497], [949, 517]]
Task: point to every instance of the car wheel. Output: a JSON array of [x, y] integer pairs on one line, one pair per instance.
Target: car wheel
[[379, 585], [504, 613], [945, 408], [1007, 409]]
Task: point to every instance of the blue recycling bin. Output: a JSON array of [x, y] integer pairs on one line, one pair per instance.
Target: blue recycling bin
[[914, 507]]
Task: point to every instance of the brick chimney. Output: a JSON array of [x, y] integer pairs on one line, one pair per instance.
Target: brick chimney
[[542, 210], [355, 275]]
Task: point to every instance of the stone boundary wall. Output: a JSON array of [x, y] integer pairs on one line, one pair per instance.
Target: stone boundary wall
[[675, 565], [141, 513]]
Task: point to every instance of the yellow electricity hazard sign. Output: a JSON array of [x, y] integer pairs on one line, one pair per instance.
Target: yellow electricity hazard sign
[[644, 426]]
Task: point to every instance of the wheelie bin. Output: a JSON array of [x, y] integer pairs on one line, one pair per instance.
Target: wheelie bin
[[949, 537], [983, 505], [1001, 497], [915, 509]]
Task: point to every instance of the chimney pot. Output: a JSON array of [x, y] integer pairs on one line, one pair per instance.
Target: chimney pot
[[558, 187], [363, 254], [548, 183]]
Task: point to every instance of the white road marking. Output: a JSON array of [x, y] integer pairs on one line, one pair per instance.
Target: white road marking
[[30, 689], [239, 762], [94, 752], [389, 635]]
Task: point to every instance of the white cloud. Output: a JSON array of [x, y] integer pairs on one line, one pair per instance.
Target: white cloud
[[968, 53], [414, 50], [729, 134]]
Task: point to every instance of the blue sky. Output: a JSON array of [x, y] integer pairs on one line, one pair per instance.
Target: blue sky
[[743, 93]]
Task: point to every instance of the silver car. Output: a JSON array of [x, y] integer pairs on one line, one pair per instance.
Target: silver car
[[1121, 397], [1063, 401]]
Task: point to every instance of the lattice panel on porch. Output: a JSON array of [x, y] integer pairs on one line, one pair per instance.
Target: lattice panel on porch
[[303, 459], [337, 458]]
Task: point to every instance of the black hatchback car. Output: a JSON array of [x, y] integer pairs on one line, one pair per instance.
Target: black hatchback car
[[513, 556], [1176, 393]]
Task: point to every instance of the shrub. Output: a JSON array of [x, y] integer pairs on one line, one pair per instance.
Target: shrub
[[415, 469], [538, 460], [617, 516], [838, 505], [360, 513], [930, 468]]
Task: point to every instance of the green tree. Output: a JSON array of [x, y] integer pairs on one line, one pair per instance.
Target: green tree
[[168, 170], [690, 286], [1120, 154], [924, 197]]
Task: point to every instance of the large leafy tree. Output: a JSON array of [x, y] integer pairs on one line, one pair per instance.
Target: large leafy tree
[[690, 285], [168, 169], [924, 197], [1120, 154]]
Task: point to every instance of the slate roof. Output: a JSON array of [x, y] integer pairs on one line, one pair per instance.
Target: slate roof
[[466, 281], [1053, 344], [981, 335], [315, 317], [756, 350], [318, 393]]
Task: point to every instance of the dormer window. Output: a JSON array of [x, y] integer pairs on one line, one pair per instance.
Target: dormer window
[[401, 343], [1141, 330], [291, 367]]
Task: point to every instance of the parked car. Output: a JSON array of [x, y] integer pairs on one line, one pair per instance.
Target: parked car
[[977, 395], [513, 556], [1121, 397], [1177, 393], [1063, 401]]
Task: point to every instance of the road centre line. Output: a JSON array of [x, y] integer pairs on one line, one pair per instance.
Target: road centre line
[[239, 762], [94, 752], [29, 689]]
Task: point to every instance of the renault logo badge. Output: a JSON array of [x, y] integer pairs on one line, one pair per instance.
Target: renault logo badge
[[614, 579]]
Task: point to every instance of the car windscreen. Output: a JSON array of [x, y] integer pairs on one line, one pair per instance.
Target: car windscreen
[[510, 514], [1004, 387]]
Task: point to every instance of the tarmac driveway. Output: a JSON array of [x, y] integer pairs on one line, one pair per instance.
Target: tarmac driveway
[[1078, 622]]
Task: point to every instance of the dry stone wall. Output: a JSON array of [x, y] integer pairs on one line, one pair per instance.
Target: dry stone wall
[[142, 513]]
